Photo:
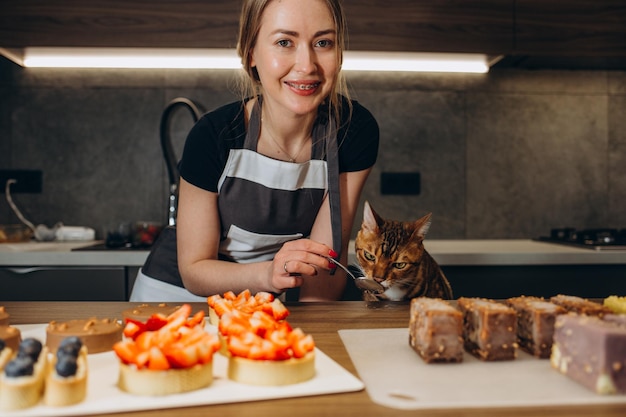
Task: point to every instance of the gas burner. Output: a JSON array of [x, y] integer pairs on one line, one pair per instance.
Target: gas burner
[[598, 239]]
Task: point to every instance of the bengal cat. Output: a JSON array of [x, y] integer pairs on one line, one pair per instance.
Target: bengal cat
[[392, 253]]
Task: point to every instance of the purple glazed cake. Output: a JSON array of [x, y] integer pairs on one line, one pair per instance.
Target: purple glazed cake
[[591, 351]]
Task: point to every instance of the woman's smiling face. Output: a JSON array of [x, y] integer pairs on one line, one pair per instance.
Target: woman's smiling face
[[296, 55]]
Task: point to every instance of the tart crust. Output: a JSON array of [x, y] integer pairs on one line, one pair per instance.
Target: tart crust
[[24, 391], [66, 391], [171, 381], [271, 373], [5, 356]]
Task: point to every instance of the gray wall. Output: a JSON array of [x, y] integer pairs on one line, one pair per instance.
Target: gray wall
[[509, 154]]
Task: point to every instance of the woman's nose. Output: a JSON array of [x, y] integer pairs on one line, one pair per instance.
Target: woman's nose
[[306, 60]]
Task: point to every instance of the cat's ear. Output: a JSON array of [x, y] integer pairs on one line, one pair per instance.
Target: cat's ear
[[370, 219], [423, 225]]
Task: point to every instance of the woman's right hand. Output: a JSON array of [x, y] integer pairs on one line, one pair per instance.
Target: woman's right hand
[[298, 258]]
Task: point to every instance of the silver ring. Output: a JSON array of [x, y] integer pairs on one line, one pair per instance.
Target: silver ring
[[285, 267]]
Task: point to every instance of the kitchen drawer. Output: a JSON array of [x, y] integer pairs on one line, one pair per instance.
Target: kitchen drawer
[[63, 283]]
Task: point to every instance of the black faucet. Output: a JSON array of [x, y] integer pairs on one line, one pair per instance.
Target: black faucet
[[171, 161]]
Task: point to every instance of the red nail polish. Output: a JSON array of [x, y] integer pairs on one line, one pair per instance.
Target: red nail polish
[[332, 265], [332, 253]]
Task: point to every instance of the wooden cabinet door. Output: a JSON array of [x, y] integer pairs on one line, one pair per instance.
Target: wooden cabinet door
[[571, 28], [394, 25]]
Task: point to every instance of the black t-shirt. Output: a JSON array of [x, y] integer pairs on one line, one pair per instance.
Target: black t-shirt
[[216, 133]]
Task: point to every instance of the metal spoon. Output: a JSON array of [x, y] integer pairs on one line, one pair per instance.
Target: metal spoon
[[361, 282]]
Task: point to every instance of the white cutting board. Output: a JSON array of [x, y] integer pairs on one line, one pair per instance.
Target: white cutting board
[[395, 376], [103, 396]]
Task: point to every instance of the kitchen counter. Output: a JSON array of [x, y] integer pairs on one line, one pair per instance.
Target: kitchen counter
[[487, 268], [445, 252], [323, 321], [62, 253]]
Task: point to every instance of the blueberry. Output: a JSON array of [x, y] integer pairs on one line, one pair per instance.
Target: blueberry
[[30, 347], [20, 366], [66, 366], [69, 346]]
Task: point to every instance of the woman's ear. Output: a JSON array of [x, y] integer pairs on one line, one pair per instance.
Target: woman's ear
[[252, 61]]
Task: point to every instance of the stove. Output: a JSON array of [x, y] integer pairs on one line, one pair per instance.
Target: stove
[[596, 239]]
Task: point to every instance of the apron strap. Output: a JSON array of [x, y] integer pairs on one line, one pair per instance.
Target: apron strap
[[326, 129], [254, 126]]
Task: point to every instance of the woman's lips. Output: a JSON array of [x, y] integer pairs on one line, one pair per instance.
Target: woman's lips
[[303, 88]]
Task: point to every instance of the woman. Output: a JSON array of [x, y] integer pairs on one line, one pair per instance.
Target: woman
[[270, 185]]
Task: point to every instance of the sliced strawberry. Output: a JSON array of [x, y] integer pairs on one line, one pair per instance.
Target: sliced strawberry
[[133, 328], [237, 347], [155, 322], [190, 336], [180, 356], [142, 359], [279, 311], [261, 323], [157, 360], [243, 296], [206, 347], [126, 351], [229, 295], [263, 297], [178, 317], [212, 299], [302, 346], [196, 319], [222, 307]]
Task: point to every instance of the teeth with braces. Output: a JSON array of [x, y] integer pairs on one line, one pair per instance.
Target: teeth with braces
[[304, 86]]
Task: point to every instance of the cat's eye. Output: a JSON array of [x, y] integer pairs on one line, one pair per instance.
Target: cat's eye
[[369, 256], [399, 265]]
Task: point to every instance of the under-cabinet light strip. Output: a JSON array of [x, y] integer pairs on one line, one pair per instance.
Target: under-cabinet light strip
[[52, 57]]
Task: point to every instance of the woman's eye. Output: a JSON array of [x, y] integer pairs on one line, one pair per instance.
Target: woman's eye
[[324, 43], [369, 256], [284, 43], [399, 265]]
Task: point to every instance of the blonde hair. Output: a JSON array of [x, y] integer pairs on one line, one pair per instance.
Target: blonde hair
[[249, 26]]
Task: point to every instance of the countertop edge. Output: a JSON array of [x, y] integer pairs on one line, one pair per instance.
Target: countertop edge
[[446, 252]]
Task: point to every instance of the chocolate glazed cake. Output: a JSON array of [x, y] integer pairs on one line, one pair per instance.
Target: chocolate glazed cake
[[580, 305], [591, 351], [436, 330], [489, 329], [535, 324]]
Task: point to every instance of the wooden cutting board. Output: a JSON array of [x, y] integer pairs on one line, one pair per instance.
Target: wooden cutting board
[[103, 395], [395, 376]]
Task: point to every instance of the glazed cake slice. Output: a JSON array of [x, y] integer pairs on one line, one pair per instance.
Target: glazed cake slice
[[535, 324], [580, 305], [591, 351], [489, 329], [436, 330]]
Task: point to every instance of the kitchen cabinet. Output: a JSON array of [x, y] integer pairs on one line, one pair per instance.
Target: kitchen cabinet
[[531, 27], [63, 283], [394, 25], [504, 281], [575, 27]]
